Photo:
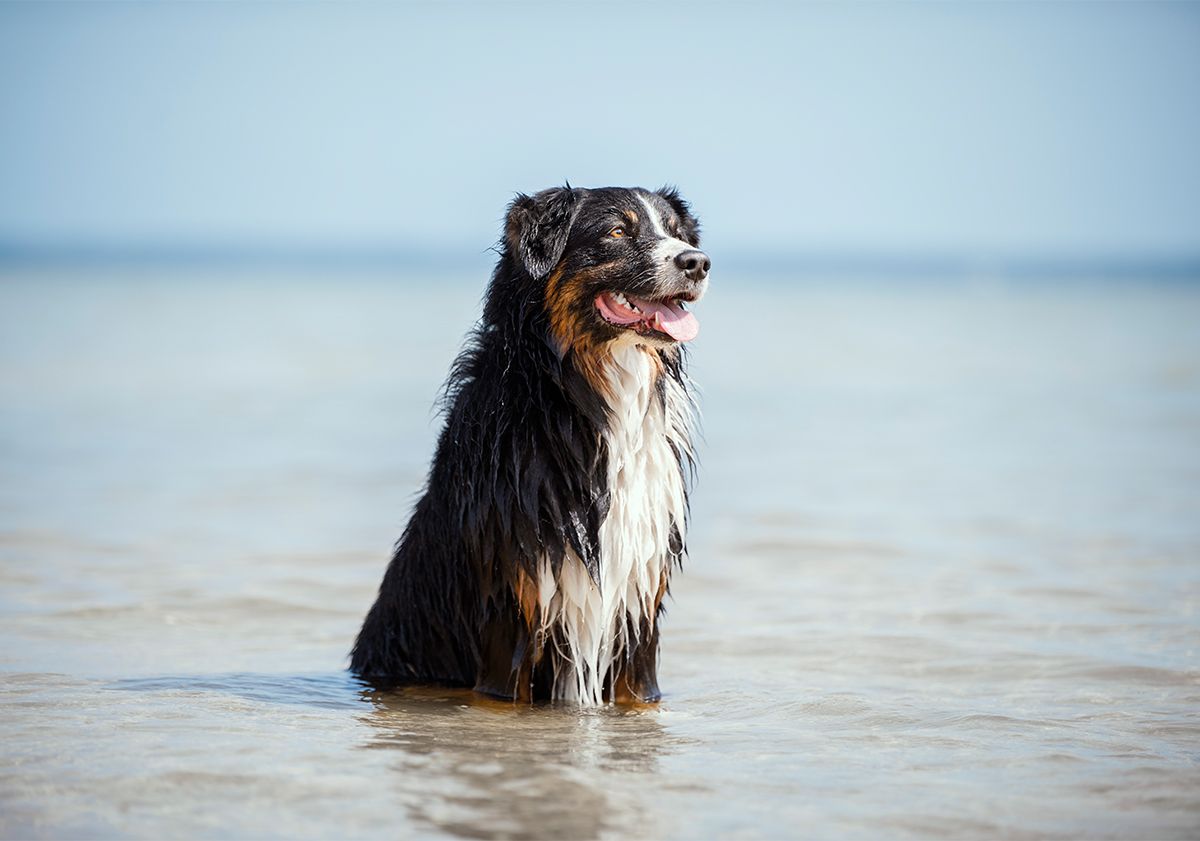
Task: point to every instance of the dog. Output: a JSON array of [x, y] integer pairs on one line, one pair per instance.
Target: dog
[[535, 564]]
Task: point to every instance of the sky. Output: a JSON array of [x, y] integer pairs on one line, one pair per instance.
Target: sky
[[1047, 129]]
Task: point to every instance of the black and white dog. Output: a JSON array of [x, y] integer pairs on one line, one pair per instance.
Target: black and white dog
[[535, 564]]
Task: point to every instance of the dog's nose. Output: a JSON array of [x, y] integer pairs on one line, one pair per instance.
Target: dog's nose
[[694, 263]]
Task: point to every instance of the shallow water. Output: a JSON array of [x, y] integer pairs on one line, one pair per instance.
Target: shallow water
[[944, 576]]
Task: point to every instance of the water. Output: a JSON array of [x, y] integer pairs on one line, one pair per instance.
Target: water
[[944, 578]]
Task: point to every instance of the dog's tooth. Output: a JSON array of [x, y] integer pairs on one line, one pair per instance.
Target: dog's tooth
[[620, 298]]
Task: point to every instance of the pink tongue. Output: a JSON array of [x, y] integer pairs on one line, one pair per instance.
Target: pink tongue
[[671, 319]]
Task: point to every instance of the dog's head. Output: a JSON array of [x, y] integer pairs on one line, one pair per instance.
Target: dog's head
[[612, 264]]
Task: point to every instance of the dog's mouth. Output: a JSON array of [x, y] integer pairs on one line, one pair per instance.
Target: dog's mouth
[[666, 316]]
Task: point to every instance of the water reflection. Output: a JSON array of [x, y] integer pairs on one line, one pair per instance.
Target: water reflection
[[478, 768], [468, 765]]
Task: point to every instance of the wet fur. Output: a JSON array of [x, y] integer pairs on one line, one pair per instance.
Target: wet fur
[[535, 564]]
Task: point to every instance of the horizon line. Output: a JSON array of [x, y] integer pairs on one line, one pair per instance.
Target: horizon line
[[937, 262]]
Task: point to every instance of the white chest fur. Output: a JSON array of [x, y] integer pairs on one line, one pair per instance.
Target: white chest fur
[[598, 622]]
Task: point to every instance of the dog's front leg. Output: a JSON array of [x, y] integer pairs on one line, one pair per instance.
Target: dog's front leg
[[635, 678]]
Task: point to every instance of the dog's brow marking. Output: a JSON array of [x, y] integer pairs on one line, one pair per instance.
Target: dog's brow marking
[[666, 246], [655, 221]]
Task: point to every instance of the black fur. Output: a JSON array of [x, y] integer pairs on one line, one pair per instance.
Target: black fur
[[520, 466]]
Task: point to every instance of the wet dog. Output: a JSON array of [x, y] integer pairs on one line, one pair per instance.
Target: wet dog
[[535, 564]]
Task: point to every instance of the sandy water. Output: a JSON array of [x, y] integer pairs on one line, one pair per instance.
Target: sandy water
[[944, 581]]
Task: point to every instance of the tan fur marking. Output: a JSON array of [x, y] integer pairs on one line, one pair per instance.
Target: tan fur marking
[[524, 687], [662, 592], [527, 598], [588, 353], [621, 691], [526, 591], [563, 325]]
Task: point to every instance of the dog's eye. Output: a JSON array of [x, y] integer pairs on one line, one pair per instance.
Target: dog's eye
[[617, 232]]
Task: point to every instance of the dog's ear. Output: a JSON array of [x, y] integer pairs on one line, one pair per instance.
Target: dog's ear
[[537, 226], [687, 220]]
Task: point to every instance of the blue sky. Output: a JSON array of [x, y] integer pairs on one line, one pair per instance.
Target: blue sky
[[968, 128]]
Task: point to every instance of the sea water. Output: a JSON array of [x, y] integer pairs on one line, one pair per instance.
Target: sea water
[[944, 572]]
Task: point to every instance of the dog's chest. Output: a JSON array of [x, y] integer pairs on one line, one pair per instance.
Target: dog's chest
[[644, 483], [599, 622]]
